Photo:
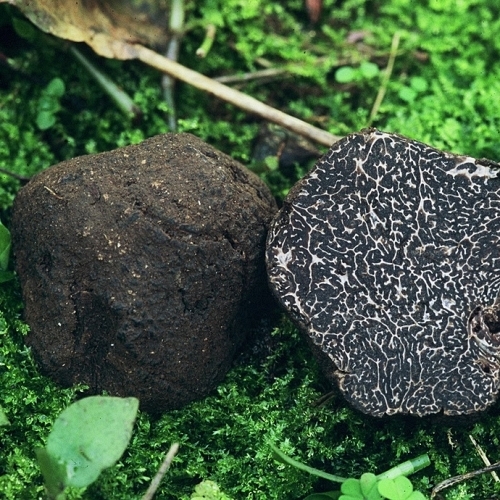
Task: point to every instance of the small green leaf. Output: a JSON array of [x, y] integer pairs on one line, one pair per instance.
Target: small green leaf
[[45, 120], [4, 247], [419, 84], [399, 488], [6, 276], [346, 74], [324, 496], [55, 88], [416, 495], [3, 418], [368, 483], [54, 474], [24, 29], [351, 489], [49, 104], [271, 162], [407, 94], [91, 435], [368, 69]]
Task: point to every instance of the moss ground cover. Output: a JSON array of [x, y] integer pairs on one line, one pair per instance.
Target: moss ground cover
[[444, 89]]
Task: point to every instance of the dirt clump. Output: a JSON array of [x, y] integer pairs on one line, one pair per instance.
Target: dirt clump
[[141, 268]]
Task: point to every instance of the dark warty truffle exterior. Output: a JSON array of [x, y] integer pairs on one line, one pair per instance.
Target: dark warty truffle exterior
[[142, 268], [387, 254]]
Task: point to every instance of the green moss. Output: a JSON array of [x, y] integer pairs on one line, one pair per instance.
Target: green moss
[[444, 90]]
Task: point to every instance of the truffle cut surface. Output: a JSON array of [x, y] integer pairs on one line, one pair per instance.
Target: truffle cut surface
[[142, 267], [387, 254]]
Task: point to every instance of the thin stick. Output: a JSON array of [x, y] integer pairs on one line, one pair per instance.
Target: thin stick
[[463, 477], [254, 75], [232, 96], [387, 75], [484, 458], [167, 461]]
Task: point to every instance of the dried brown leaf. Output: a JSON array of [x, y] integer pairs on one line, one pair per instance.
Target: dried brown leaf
[[102, 24]]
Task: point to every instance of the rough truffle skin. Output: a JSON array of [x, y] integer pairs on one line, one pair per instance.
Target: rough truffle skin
[[387, 254], [142, 268]]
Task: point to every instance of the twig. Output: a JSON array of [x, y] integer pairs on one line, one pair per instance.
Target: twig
[[254, 75], [167, 461], [484, 458], [387, 75], [463, 477], [269, 71], [53, 193], [239, 99]]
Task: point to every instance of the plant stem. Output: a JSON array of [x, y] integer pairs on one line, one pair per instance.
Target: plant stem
[[167, 461], [406, 468], [208, 41], [385, 81], [19, 177], [176, 28], [283, 458], [122, 100]]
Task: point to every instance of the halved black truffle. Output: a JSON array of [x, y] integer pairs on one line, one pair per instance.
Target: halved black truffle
[[387, 254]]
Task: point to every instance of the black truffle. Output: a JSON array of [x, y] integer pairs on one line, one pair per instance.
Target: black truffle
[[387, 254], [142, 268]]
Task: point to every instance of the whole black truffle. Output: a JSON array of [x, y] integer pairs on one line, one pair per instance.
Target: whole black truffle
[[387, 254], [141, 268]]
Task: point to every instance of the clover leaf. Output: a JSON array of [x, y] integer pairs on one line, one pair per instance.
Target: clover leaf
[[399, 488], [364, 488]]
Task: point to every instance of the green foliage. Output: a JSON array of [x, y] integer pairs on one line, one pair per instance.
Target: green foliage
[[364, 488], [25, 29], [443, 90], [4, 247], [279, 456], [399, 488], [365, 71], [391, 484], [3, 418], [5, 275], [87, 437], [417, 85], [208, 490], [49, 103]]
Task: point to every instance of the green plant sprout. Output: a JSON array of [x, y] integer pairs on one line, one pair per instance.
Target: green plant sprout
[[391, 484], [3, 418], [87, 437], [5, 243], [365, 71], [49, 103], [416, 87]]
